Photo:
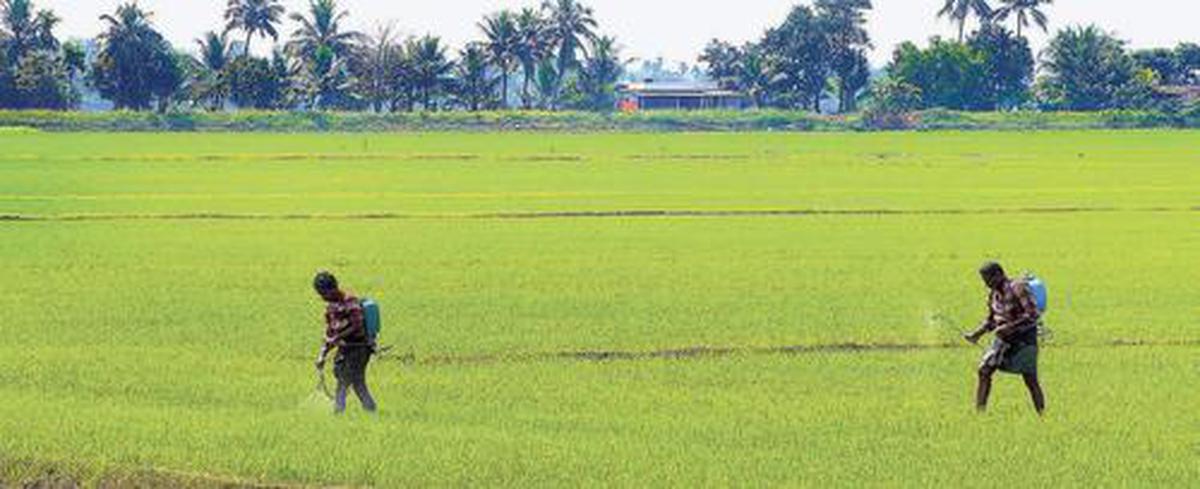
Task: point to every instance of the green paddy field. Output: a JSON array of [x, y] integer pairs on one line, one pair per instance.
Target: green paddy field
[[597, 309]]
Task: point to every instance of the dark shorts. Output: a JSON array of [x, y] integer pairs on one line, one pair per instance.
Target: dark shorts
[[350, 365], [1015, 359]]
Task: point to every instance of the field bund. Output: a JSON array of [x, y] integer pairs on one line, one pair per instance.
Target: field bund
[[597, 309]]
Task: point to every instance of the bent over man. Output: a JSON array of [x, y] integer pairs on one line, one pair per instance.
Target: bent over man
[[1013, 317], [345, 329]]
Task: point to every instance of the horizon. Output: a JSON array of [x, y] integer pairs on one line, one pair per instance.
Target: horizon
[[890, 23]]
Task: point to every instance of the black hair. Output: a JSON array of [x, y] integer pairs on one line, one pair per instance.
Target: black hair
[[325, 281], [991, 269]]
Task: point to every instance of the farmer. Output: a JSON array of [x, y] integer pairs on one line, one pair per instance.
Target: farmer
[[346, 330], [1013, 316]]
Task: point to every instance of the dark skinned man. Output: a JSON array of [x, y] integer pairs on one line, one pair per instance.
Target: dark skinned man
[[345, 329], [1013, 316]]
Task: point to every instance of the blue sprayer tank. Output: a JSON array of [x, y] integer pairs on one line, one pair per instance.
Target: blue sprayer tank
[[1038, 288], [371, 318]]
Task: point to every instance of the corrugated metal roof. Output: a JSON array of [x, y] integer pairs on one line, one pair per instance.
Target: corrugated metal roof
[[675, 88]]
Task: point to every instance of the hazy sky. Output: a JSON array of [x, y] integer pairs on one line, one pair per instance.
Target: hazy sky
[[674, 29]]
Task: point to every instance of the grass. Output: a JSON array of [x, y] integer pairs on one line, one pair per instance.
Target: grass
[[160, 320]]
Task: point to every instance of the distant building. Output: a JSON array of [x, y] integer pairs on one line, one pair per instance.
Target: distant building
[[677, 95], [1187, 94]]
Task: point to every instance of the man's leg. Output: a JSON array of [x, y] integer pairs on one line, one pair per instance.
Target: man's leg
[[339, 397], [985, 387], [1035, 391], [364, 394], [359, 379]]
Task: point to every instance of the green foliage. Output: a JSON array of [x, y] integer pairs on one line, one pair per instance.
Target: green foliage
[[798, 61], [430, 69], [1088, 69], [502, 43], [1022, 11], [568, 24], [209, 77], [1177, 66], [258, 83], [893, 105], [321, 30], [474, 85], [534, 45], [41, 82], [253, 17], [958, 11], [36, 71], [135, 67], [949, 74], [594, 86], [844, 22], [1009, 64]]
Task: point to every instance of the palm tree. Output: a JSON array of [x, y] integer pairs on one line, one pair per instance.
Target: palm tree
[[503, 43], [17, 28], [1024, 10], [254, 17], [599, 74], [569, 24], [327, 83], [43, 30], [322, 29], [474, 86], [135, 65], [214, 58], [429, 67], [532, 48], [960, 10], [379, 66]]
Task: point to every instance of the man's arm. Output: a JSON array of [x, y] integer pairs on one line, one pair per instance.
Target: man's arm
[[984, 326]]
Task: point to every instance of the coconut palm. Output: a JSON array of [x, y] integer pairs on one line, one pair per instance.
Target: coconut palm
[[429, 66], [1024, 10], [959, 10], [134, 65], [326, 83], [254, 17], [215, 56], [23, 30], [600, 72], [502, 45], [569, 24], [474, 85], [532, 48], [378, 67], [322, 29]]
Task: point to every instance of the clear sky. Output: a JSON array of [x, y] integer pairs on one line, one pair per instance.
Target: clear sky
[[674, 29]]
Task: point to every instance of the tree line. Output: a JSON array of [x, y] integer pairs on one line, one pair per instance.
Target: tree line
[[555, 57], [819, 53], [562, 59]]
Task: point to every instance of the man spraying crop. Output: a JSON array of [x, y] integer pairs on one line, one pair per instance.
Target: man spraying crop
[[345, 329], [1013, 315]]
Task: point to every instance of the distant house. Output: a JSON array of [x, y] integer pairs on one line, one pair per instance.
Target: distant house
[[1187, 94], [677, 95]]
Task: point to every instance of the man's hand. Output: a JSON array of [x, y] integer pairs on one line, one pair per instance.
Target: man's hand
[[972, 338], [320, 363]]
